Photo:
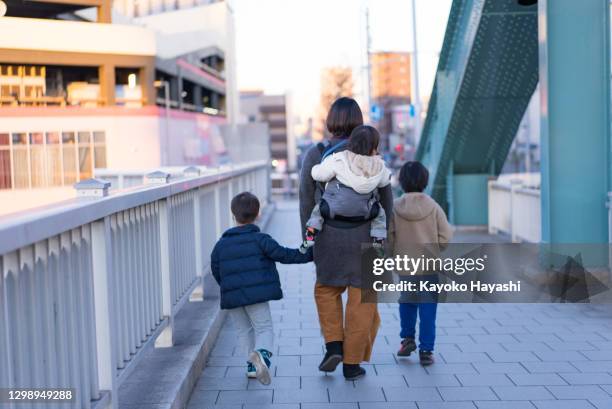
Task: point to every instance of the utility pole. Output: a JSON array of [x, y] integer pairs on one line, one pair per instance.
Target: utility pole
[[369, 66], [415, 74]]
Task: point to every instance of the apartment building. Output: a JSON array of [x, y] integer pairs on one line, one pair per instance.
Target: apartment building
[[274, 110], [85, 87]]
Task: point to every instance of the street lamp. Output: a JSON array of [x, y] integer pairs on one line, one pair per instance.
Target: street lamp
[[166, 85], [2, 8]]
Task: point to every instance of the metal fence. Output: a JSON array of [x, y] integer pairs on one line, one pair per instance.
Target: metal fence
[[87, 286]]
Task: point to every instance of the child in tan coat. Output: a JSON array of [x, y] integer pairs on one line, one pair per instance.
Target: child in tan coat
[[417, 219]]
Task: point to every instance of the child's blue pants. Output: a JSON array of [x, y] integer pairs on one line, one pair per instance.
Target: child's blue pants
[[427, 323]]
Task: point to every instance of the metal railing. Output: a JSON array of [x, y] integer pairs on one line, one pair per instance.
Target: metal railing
[[88, 285], [514, 209]]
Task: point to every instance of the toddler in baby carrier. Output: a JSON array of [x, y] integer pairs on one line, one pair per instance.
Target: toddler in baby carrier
[[344, 196]]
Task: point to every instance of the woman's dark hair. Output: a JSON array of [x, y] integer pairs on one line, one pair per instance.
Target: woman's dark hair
[[364, 140], [413, 177], [245, 207], [344, 116]]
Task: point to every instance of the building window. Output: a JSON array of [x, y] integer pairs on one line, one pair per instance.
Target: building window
[[37, 159]]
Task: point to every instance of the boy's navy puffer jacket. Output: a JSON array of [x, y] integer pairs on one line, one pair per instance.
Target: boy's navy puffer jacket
[[243, 263]]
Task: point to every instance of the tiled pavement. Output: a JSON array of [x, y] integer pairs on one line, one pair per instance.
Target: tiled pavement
[[508, 356]]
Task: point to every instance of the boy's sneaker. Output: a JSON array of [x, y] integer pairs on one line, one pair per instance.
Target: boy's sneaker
[[333, 356], [251, 370], [426, 358], [261, 360], [352, 372], [407, 347], [309, 239]]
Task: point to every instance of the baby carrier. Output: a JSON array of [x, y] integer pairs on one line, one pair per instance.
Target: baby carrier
[[340, 202]]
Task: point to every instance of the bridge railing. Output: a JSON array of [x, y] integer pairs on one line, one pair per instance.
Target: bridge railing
[[514, 209], [90, 284]]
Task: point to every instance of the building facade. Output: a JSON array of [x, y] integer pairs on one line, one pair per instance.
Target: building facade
[[274, 110], [79, 91], [390, 87]]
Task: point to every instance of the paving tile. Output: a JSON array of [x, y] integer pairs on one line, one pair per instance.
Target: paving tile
[[405, 394], [222, 384], [593, 366], [444, 368], [344, 405], [388, 405], [499, 367], [432, 380], [251, 397], [504, 405], [282, 382], [465, 357], [561, 356], [467, 393], [563, 404], [446, 405], [512, 393], [549, 367], [587, 378], [537, 379], [605, 403], [304, 395], [350, 393], [381, 380], [578, 392], [323, 381], [272, 406], [484, 380], [518, 356]]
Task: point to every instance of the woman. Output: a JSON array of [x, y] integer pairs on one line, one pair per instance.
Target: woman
[[349, 336]]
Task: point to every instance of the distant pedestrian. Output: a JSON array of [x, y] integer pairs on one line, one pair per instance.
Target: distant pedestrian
[[243, 263], [417, 220]]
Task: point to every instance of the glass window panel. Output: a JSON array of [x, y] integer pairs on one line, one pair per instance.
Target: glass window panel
[[53, 159], [68, 137], [19, 139], [85, 163], [53, 138], [21, 166], [70, 160], [4, 139], [99, 137], [84, 138], [100, 157], [5, 168], [37, 161], [36, 138]]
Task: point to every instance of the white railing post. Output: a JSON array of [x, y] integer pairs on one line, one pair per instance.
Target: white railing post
[[166, 338], [198, 293], [102, 259]]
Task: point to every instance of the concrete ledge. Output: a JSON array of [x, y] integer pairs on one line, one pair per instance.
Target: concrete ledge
[[165, 377]]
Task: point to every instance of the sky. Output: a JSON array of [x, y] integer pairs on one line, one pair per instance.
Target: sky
[[282, 45]]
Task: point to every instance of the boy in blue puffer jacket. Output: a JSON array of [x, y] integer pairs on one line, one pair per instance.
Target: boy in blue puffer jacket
[[244, 264]]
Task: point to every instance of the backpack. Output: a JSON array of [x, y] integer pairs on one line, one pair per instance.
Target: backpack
[[341, 202]]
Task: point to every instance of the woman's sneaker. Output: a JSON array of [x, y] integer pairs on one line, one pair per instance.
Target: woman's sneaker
[[333, 356], [261, 360], [407, 347], [426, 358], [352, 372]]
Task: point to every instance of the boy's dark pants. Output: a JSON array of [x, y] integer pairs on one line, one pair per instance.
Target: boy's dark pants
[[423, 304], [427, 323], [357, 331]]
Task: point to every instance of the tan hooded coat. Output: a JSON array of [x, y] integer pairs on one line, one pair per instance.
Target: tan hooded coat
[[417, 219]]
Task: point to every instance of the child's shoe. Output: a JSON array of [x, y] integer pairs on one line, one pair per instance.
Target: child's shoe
[[309, 239], [379, 247], [352, 372], [407, 347], [261, 360], [251, 371], [426, 358]]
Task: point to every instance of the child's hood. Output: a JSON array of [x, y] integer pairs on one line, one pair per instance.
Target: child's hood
[[414, 206], [363, 172]]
